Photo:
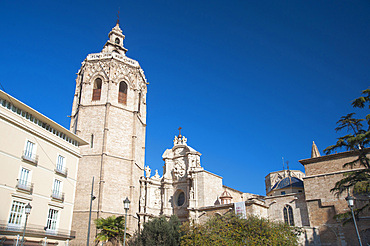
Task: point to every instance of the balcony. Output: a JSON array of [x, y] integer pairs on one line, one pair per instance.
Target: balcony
[[30, 157], [24, 186], [61, 171], [56, 195], [35, 231]]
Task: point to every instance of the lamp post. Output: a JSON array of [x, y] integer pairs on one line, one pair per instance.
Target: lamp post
[[350, 200], [92, 198], [126, 206], [27, 211]]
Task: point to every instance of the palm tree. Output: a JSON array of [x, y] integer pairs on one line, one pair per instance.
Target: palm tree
[[111, 229]]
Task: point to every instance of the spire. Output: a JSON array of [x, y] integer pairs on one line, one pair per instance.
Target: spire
[[315, 151], [118, 17], [115, 42]]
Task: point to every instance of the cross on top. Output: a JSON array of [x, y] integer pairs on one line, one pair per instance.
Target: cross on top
[[118, 17]]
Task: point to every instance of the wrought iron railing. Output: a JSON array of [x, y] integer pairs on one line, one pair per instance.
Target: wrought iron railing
[[35, 231], [28, 156], [61, 170], [25, 186], [57, 195]]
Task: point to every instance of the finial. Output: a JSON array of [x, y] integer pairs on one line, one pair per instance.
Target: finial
[[180, 132], [118, 16], [314, 151], [287, 165], [283, 162]]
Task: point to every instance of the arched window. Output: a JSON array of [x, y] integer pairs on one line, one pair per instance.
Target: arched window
[[139, 103], [122, 94], [97, 89], [288, 215], [117, 41]]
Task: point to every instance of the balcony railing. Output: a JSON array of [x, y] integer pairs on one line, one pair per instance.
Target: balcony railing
[[27, 156], [35, 231], [61, 170], [24, 186], [57, 195]]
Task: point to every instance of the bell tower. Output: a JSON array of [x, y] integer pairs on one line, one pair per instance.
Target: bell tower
[[109, 112]]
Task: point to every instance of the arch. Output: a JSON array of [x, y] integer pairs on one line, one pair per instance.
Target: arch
[[180, 198], [122, 93], [117, 41], [288, 215], [97, 89]]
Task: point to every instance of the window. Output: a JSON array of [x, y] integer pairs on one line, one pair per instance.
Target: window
[[288, 215], [29, 149], [138, 106], [16, 213], [117, 41], [122, 94], [181, 199], [23, 181], [29, 152], [23, 178], [57, 188], [283, 193], [92, 141], [51, 224], [97, 89]]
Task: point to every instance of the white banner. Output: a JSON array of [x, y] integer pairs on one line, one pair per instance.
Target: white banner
[[240, 209]]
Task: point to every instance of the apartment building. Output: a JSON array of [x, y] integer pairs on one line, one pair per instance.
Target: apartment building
[[38, 166]]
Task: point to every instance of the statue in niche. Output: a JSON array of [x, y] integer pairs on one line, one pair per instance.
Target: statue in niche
[[157, 198], [142, 201], [192, 196], [147, 171]]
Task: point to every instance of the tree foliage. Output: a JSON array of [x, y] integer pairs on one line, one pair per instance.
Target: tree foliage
[[159, 231], [111, 229], [357, 139], [232, 230]]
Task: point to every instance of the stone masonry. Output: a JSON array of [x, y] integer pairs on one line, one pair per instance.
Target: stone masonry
[[109, 112]]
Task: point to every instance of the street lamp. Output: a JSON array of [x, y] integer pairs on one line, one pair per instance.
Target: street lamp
[[27, 211], [126, 206], [351, 200]]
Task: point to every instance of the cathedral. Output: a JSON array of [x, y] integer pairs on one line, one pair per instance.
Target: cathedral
[[57, 179], [109, 113]]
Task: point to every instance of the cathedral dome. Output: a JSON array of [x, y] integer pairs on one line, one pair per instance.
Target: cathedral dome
[[288, 182]]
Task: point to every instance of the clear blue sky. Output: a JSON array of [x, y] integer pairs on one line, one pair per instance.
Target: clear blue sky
[[249, 82]]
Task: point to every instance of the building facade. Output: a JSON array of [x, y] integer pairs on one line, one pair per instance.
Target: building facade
[[38, 166], [109, 111], [322, 172]]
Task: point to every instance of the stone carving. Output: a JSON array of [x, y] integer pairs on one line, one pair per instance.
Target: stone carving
[[180, 140], [147, 171], [179, 151], [179, 168], [192, 193], [156, 175], [157, 198], [142, 201], [194, 161]]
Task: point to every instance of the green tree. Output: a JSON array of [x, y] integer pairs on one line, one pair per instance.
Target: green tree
[[357, 139], [111, 229], [232, 230], [159, 231]]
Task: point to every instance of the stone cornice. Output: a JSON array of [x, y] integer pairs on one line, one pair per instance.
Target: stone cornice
[[333, 156], [118, 57]]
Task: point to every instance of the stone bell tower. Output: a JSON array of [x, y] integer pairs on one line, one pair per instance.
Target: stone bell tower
[[109, 112]]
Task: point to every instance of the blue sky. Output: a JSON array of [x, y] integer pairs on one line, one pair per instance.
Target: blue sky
[[249, 82]]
